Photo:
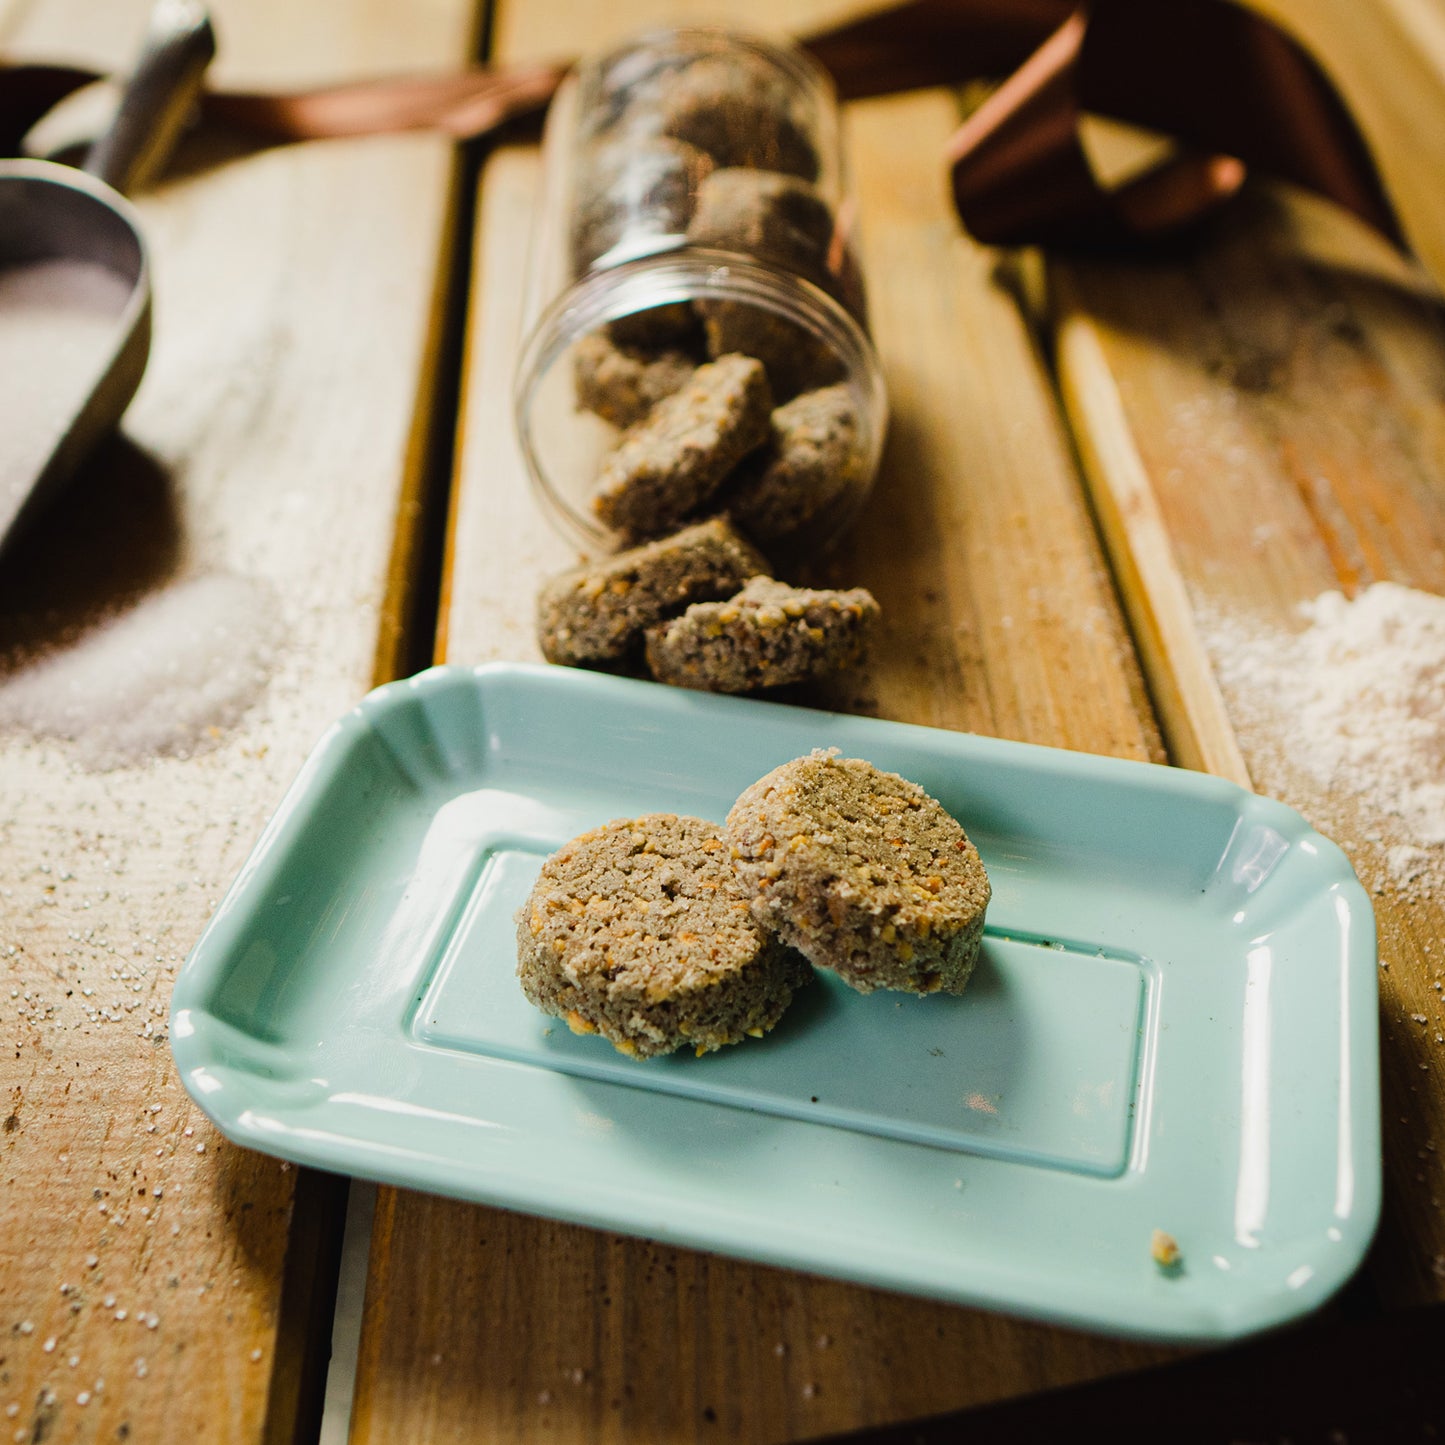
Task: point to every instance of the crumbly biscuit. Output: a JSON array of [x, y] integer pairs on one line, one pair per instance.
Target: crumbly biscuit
[[623, 384], [738, 108], [598, 613], [863, 873], [634, 195], [668, 465], [768, 635], [807, 479], [639, 931], [767, 215], [672, 326], [796, 358]]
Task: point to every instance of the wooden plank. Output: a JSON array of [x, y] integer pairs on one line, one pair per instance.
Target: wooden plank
[[484, 1324], [243, 537], [1280, 386]]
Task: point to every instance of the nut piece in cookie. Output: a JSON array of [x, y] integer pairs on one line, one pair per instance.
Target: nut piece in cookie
[[622, 384], [863, 873], [808, 475], [597, 613], [768, 635], [639, 931], [670, 463], [740, 110], [768, 215]]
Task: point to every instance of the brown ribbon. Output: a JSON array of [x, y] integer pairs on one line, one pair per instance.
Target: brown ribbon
[[1230, 87]]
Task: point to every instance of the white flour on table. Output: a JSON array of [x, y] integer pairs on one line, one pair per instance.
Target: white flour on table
[[1353, 706]]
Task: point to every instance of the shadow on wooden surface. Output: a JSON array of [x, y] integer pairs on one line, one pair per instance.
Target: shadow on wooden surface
[[1364, 1382], [113, 535]]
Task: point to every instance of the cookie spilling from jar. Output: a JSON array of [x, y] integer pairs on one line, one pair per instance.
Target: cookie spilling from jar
[[697, 599], [700, 608], [663, 931]]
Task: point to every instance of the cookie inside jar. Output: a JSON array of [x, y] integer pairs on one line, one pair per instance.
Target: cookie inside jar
[[700, 230]]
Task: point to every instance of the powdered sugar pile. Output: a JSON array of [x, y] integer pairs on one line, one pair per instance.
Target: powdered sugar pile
[[164, 678], [1354, 707]]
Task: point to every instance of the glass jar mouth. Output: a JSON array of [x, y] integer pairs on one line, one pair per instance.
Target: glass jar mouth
[[686, 274]]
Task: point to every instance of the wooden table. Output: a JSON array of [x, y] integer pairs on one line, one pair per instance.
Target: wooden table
[[1091, 464]]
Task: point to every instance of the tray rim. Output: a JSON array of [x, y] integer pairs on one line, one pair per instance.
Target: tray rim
[[350, 1155]]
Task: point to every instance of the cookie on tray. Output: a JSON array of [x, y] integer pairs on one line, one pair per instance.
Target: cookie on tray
[[768, 635], [863, 873], [640, 931], [670, 463], [622, 384], [598, 613], [809, 473]]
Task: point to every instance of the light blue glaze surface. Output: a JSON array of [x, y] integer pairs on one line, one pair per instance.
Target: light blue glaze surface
[[1173, 1025]]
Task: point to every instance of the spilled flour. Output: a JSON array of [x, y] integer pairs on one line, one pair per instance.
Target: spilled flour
[[1354, 706], [165, 678]]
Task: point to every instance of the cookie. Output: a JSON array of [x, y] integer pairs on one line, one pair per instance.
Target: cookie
[[809, 476], [863, 873], [598, 613], [796, 358], [622, 384], [634, 196], [740, 109], [768, 635], [639, 931], [766, 215], [667, 465]]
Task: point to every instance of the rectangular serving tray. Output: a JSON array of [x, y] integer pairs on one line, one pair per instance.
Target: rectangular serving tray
[[1172, 1025]]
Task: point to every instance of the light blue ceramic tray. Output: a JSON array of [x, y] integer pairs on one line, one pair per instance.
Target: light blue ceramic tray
[[1173, 1025]]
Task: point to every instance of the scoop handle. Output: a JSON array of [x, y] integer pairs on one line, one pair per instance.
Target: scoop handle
[[158, 98]]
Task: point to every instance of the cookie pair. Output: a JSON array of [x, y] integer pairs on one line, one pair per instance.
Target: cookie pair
[[699, 603], [662, 931]]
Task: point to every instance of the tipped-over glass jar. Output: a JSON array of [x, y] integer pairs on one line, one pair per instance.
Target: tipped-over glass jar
[[694, 279]]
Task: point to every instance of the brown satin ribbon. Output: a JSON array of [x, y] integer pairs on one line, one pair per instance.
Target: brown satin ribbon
[[1233, 89]]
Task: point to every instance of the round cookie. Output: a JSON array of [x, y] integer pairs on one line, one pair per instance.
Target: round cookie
[[639, 930], [862, 872], [768, 635], [598, 613]]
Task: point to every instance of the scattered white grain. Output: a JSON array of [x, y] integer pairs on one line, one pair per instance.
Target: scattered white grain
[[164, 678], [1352, 712]]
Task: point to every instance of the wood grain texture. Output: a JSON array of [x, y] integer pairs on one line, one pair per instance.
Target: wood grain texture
[[1282, 386], [485, 1324], [243, 532]]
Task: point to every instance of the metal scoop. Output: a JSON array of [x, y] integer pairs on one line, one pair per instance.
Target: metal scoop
[[75, 286]]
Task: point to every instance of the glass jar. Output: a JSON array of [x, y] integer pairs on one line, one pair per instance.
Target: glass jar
[[695, 206]]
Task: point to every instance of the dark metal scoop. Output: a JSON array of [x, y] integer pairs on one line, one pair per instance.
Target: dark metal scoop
[[75, 286]]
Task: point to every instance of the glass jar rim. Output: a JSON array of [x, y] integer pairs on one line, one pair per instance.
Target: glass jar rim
[[687, 273], [782, 52]]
